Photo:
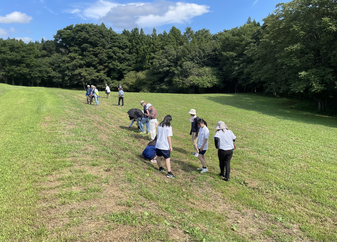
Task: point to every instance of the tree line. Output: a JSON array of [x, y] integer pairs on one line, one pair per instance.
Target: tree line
[[294, 52]]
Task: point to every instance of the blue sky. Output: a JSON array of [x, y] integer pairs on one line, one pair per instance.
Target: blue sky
[[37, 19]]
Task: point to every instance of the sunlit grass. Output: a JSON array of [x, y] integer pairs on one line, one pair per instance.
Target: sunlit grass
[[282, 179]]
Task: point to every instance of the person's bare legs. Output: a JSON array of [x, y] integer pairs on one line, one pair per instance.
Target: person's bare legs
[[202, 159], [168, 164], [158, 161]]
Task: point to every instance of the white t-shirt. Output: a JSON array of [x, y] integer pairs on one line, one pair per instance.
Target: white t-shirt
[[203, 134], [96, 91], [162, 134], [226, 139], [107, 89]]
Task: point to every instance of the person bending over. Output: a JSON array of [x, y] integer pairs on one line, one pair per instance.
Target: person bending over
[[150, 151]]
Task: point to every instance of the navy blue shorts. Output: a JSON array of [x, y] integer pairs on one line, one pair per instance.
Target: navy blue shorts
[[165, 153], [202, 152]]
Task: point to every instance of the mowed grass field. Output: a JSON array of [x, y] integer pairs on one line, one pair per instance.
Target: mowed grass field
[[74, 172]]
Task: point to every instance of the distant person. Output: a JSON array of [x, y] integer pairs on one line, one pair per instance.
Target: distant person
[[107, 91], [150, 151], [145, 119], [95, 93], [194, 131], [121, 97], [152, 120], [203, 144], [164, 145], [91, 94], [120, 87], [224, 142], [88, 94]]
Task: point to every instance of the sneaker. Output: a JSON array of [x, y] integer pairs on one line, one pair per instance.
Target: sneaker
[[196, 154], [193, 153], [221, 174], [153, 161], [161, 169], [141, 132], [199, 169], [226, 179], [170, 175], [204, 170]]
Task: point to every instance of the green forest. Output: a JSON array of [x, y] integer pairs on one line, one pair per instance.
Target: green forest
[[293, 53]]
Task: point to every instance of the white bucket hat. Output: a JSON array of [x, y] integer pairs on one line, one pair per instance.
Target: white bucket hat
[[141, 102], [193, 112], [221, 125]]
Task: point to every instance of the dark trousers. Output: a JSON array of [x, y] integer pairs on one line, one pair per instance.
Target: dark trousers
[[225, 157], [119, 100], [91, 97]]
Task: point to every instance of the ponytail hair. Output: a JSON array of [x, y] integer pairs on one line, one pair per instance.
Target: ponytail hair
[[166, 121], [202, 121]]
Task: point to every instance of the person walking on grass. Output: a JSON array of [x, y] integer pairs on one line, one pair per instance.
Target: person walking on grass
[[194, 131], [95, 92], [145, 119], [88, 94], [120, 87], [202, 144], [164, 145], [121, 97], [107, 91], [152, 120], [224, 142]]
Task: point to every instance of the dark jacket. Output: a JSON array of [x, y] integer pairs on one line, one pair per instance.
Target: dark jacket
[[194, 126]]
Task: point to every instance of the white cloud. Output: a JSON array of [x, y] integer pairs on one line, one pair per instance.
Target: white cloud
[[15, 17], [99, 9], [3, 32], [24, 39], [75, 11], [50, 10], [140, 14], [180, 13], [12, 30], [255, 2]]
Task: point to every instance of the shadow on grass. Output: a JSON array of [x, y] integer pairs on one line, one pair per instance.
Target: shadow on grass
[[276, 107]]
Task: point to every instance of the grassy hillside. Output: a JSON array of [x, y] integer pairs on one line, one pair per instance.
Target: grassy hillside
[[71, 171]]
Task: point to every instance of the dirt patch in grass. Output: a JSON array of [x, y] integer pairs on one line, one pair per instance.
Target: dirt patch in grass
[[245, 222], [120, 233]]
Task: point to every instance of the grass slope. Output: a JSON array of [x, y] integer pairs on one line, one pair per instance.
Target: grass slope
[[70, 171]]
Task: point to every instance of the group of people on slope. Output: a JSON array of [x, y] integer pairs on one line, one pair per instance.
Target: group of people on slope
[[161, 145], [148, 120], [224, 142], [92, 93]]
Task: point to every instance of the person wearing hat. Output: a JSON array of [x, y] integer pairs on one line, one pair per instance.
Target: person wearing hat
[[152, 120], [194, 131], [88, 94], [224, 142], [95, 93], [145, 119]]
